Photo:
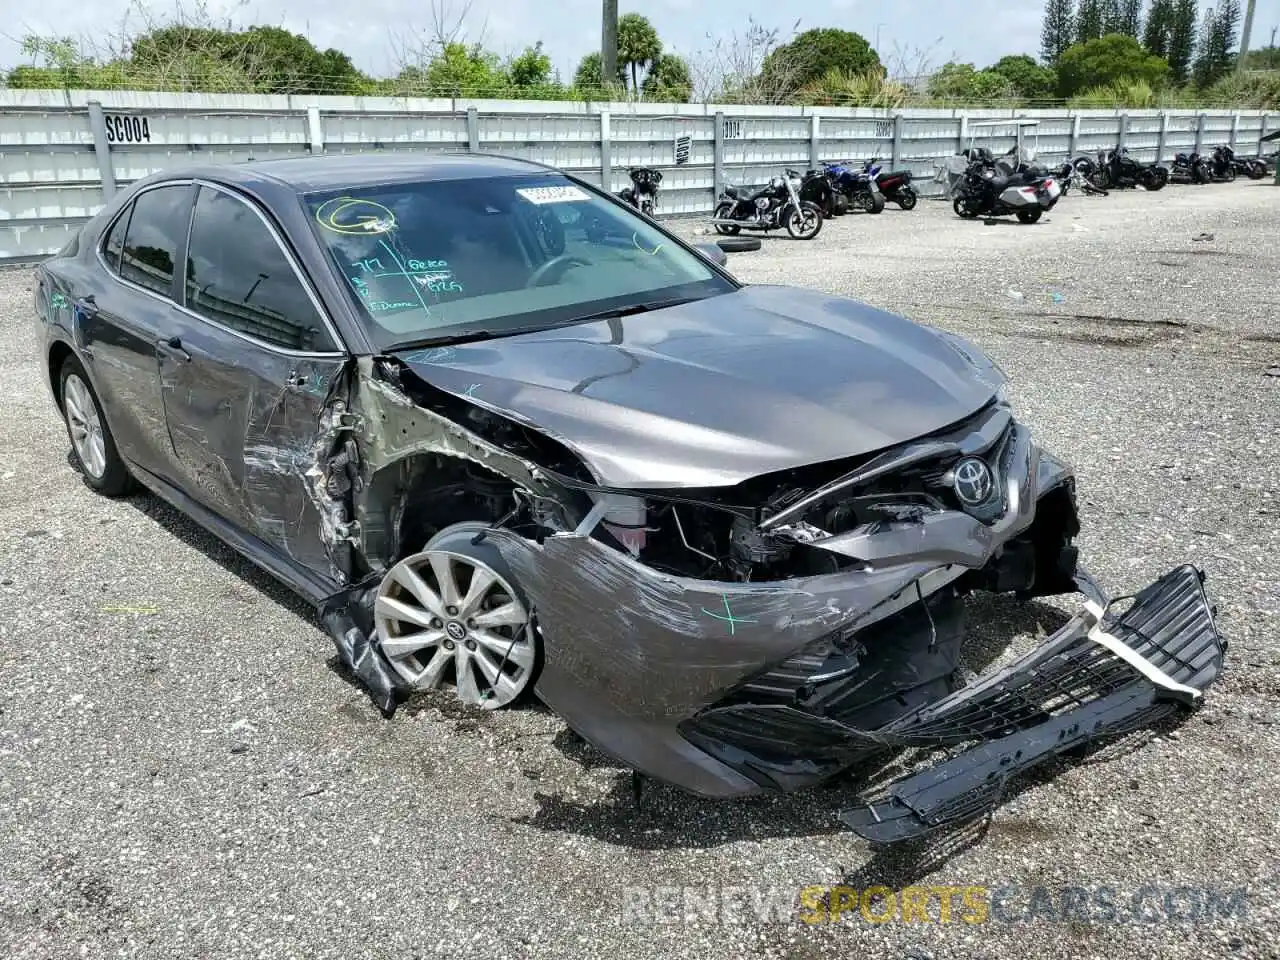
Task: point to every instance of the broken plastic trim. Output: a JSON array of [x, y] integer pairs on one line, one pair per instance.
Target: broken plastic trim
[[1074, 689]]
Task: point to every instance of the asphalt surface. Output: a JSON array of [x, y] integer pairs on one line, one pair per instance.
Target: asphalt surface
[[183, 772]]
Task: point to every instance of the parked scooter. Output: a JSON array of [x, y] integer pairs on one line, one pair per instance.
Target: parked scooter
[[1189, 168], [895, 186], [774, 206], [997, 189], [857, 184], [643, 192]]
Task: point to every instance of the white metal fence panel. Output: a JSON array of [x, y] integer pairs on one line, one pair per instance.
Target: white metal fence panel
[[63, 153]]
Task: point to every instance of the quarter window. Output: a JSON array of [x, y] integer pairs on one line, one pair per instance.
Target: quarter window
[[154, 236], [239, 277], [115, 239]]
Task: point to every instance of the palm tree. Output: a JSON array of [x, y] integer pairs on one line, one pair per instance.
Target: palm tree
[[638, 46]]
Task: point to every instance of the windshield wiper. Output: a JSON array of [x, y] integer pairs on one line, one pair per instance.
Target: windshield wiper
[[631, 310]]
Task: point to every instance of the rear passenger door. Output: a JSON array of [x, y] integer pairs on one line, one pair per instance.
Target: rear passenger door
[[122, 311], [246, 371]]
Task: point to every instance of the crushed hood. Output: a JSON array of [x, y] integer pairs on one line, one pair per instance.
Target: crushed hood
[[717, 391]]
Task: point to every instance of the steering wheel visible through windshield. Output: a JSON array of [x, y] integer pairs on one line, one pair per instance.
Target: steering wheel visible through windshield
[[441, 258]]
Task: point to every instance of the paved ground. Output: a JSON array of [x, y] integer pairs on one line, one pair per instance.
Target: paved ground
[[183, 774]]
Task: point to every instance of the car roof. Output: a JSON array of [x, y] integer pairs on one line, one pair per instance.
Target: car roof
[[332, 172]]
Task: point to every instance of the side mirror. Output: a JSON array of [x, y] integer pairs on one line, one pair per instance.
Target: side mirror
[[713, 253]]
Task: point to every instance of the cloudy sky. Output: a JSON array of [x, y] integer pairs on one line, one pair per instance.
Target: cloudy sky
[[372, 31]]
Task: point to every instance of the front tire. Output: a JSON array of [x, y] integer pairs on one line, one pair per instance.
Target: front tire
[[93, 448], [965, 208], [804, 223], [454, 615], [722, 212]]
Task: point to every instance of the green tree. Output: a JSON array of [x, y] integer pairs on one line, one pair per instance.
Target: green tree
[[1182, 38], [462, 71], [1217, 41], [1127, 18], [1108, 61], [1059, 29], [814, 53], [668, 80], [1090, 21], [531, 68], [1155, 36], [587, 79], [962, 82], [1030, 80], [638, 47]]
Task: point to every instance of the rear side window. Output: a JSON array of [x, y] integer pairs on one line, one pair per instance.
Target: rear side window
[[239, 277], [154, 236], [114, 245]]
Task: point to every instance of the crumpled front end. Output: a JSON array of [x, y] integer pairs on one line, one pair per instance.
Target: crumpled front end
[[768, 636]]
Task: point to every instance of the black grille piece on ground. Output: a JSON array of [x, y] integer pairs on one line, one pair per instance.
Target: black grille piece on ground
[[1070, 691]]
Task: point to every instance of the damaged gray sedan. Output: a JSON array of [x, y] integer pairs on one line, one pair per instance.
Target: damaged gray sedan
[[511, 438]]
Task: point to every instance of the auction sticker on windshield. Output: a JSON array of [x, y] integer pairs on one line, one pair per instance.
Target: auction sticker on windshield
[[566, 194]]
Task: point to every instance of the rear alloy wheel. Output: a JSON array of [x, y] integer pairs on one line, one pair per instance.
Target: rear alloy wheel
[[722, 213], [450, 616], [92, 445], [1029, 216]]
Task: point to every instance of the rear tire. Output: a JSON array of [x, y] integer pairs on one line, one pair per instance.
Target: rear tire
[[93, 448], [1257, 170], [1029, 216], [722, 212]]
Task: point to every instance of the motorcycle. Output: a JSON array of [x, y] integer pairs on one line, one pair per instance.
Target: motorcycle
[[1075, 176], [1116, 170], [857, 184], [816, 188], [643, 192], [895, 186], [998, 189], [1190, 168], [1226, 165], [774, 206]]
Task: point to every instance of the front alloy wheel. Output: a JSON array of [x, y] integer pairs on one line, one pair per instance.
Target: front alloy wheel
[[446, 616]]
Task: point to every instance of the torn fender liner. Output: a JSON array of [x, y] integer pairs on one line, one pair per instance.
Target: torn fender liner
[[346, 619], [1072, 690]]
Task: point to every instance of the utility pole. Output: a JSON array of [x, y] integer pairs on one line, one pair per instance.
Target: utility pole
[[1244, 36], [609, 43]]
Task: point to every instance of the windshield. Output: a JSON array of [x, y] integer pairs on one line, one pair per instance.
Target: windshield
[[497, 255]]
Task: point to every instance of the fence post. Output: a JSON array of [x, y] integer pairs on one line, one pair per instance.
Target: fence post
[[606, 158], [962, 135], [473, 130], [897, 138], [815, 141], [717, 158], [315, 131], [1263, 132], [1074, 142], [1199, 132], [1164, 135], [1235, 129], [102, 149], [1124, 129]]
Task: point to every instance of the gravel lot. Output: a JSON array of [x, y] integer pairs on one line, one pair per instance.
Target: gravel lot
[[184, 774]]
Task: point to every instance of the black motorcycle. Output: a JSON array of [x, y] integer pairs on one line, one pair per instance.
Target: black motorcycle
[[775, 206], [991, 188], [816, 188], [1116, 170], [1074, 175], [1190, 168], [1225, 165], [643, 192]]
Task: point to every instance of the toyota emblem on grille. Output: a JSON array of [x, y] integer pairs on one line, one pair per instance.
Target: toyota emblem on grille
[[973, 481]]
